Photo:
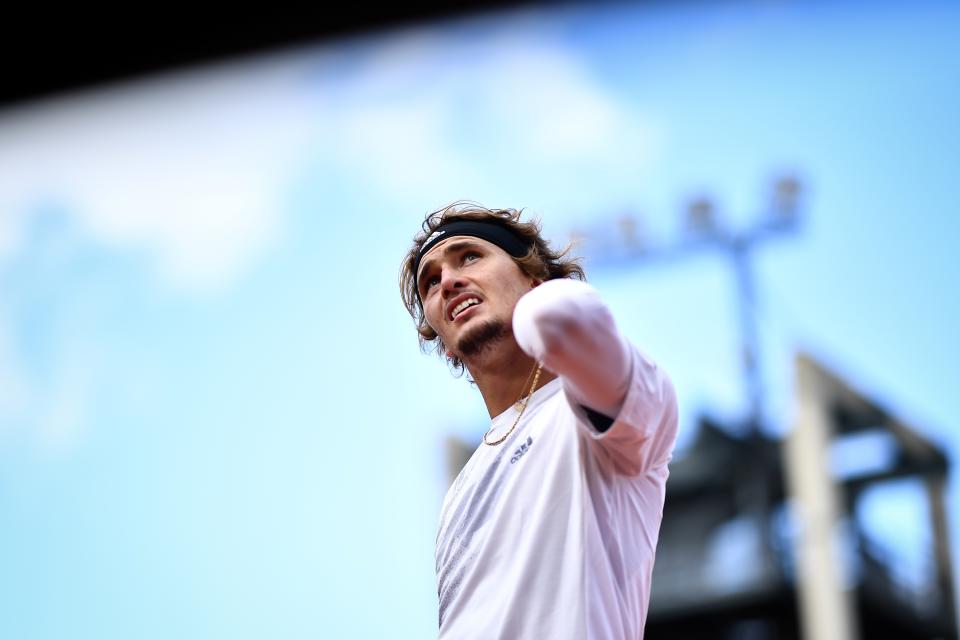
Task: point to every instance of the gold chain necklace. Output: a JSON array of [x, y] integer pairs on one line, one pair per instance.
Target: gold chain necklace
[[523, 405]]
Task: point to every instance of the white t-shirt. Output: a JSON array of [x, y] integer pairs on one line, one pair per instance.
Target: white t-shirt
[[552, 533]]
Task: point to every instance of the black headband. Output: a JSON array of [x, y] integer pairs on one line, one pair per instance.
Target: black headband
[[490, 231]]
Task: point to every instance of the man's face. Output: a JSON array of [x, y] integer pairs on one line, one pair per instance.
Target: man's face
[[469, 288]]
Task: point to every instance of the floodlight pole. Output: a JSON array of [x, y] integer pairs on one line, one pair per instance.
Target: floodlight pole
[[702, 234]]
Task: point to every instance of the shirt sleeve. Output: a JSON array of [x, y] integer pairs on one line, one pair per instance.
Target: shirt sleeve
[[566, 325]]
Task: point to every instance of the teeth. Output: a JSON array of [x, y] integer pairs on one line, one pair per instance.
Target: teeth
[[463, 305]]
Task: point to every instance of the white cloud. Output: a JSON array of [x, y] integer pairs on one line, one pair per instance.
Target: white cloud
[[557, 111], [189, 168], [433, 113], [402, 149]]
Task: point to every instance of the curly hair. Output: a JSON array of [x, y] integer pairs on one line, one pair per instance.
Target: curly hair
[[540, 262]]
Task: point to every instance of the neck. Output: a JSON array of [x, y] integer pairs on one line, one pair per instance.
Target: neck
[[503, 375]]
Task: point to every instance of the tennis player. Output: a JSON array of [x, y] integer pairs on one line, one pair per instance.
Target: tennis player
[[550, 529]]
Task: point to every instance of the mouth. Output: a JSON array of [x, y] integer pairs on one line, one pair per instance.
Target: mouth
[[462, 308]]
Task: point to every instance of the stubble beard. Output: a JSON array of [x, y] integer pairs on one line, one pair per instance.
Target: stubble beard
[[481, 338]]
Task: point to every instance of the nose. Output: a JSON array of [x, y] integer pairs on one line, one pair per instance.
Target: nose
[[451, 281]]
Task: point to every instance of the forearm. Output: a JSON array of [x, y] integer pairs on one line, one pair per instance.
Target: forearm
[[565, 325]]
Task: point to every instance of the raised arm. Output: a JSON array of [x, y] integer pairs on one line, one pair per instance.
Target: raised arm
[[565, 324]]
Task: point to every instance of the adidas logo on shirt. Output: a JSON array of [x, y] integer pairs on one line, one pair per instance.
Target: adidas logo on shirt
[[522, 450]]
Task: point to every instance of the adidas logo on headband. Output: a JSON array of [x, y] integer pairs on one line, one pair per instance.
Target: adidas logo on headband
[[434, 236]]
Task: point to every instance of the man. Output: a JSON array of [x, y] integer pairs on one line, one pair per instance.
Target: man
[[550, 529]]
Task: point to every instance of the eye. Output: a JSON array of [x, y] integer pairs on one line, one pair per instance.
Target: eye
[[471, 256], [428, 282]]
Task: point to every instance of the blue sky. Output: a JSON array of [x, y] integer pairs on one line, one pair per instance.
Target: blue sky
[[214, 419]]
